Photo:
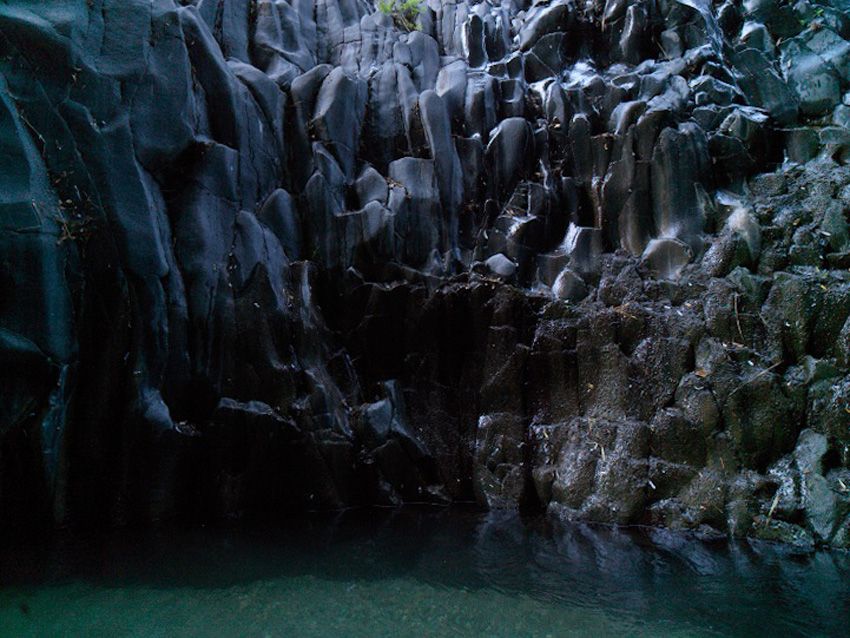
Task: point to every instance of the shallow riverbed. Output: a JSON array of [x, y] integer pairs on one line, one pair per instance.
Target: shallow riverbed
[[416, 572]]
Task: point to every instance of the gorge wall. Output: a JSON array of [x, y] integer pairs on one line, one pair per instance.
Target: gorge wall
[[264, 255]]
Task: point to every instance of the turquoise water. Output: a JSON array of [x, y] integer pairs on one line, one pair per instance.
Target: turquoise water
[[417, 573]]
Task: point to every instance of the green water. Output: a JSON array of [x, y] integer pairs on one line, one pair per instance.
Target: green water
[[417, 573]]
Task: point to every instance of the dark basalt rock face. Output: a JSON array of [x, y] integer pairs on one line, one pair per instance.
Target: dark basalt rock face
[[260, 255]]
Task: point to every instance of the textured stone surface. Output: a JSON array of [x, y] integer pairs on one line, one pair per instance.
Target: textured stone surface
[[270, 254]]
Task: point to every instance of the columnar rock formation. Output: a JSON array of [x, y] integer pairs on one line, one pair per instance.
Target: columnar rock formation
[[270, 254]]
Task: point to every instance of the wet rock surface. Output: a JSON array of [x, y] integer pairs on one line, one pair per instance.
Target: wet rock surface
[[268, 255]]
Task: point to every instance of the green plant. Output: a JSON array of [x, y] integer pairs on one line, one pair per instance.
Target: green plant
[[403, 12], [813, 20]]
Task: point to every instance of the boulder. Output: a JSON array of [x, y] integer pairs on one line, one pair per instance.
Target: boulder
[[501, 266]]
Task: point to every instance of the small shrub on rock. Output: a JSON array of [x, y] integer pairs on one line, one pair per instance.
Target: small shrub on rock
[[403, 12]]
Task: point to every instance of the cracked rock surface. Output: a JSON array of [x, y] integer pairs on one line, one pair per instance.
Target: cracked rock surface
[[264, 255]]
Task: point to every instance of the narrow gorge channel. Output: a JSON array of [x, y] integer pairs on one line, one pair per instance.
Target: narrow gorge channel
[[583, 262]]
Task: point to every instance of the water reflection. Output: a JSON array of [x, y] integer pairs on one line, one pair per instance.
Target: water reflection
[[640, 581]]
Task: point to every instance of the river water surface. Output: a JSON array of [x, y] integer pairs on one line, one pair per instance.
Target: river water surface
[[415, 572]]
